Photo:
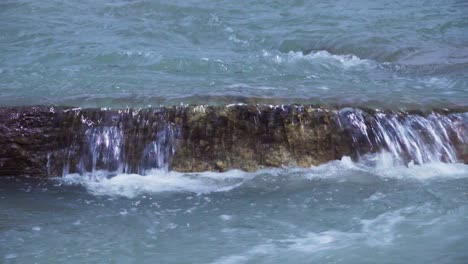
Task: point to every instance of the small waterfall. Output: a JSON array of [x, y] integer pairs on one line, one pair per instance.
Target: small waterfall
[[127, 141], [124, 142], [103, 149], [408, 137], [422, 139], [158, 154]]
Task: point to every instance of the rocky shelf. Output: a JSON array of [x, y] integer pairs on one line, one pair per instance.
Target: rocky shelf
[[44, 141]]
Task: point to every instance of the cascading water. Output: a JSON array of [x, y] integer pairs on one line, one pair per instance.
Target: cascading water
[[409, 138], [135, 142], [422, 139], [158, 153], [103, 149], [121, 143], [220, 132], [155, 171]]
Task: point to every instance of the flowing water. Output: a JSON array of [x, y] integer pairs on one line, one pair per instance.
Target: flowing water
[[405, 203], [340, 212], [134, 53], [403, 198]]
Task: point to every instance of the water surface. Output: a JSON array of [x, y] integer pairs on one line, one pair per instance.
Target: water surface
[[119, 53], [340, 212], [378, 54]]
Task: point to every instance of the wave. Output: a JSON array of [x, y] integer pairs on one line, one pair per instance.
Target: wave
[[381, 232], [161, 181], [321, 57], [156, 181], [384, 165]]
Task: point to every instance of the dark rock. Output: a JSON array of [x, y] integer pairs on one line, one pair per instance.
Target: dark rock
[[43, 141]]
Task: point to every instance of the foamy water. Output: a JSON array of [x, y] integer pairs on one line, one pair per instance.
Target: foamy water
[[138, 53], [339, 212], [407, 204], [156, 180]]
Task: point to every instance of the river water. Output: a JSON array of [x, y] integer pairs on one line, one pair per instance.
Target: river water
[[136, 53], [375, 209], [340, 212]]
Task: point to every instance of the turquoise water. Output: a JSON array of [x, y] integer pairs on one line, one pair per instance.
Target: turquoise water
[[378, 54], [410, 54], [340, 212]]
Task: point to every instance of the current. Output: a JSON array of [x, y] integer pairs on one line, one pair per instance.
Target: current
[[119, 53], [406, 202]]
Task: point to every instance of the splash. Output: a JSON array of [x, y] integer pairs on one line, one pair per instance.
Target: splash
[[103, 148], [161, 181], [158, 154], [140, 145], [133, 154], [157, 181], [322, 57], [409, 138]]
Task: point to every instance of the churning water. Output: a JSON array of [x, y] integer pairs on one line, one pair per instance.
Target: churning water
[[404, 200], [133, 53], [340, 212], [406, 203]]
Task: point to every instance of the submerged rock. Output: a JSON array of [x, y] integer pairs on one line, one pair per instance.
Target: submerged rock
[[46, 141]]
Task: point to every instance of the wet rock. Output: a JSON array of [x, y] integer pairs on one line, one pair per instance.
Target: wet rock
[[39, 142], [220, 166]]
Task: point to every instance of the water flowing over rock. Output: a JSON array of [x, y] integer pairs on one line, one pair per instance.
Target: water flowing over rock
[[47, 141]]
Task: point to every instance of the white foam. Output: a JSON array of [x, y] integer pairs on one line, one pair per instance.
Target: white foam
[[441, 83], [309, 243], [11, 256], [235, 39], [157, 181], [338, 169], [433, 170], [380, 231], [346, 60], [315, 242], [321, 57], [376, 196], [374, 233], [384, 165], [146, 54], [225, 217]]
